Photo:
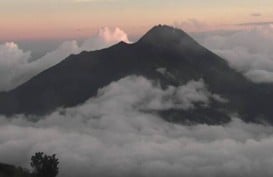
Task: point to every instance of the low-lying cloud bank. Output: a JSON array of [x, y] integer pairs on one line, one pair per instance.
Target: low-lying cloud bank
[[109, 136], [249, 51], [16, 65]]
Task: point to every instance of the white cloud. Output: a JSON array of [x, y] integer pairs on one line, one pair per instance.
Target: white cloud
[[260, 76], [127, 92], [105, 38], [11, 57], [16, 67], [248, 51], [109, 136], [193, 92], [115, 35]]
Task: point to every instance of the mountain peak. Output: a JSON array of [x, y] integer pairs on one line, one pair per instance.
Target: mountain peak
[[165, 28], [165, 35]]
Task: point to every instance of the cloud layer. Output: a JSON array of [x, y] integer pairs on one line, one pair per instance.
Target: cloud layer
[[109, 136], [17, 67], [248, 51]]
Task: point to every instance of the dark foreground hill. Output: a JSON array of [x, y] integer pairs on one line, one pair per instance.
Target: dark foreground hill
[[7, 170], [79, 77]]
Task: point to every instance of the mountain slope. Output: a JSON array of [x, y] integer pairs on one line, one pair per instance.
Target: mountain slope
[[79, 77]]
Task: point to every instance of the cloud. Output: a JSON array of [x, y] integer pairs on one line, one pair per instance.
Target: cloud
[[105, 38], [260, 76], [16, 65], [152, 97], [249, 51], [256, 23], [256, 14], [109, 135], [11, 57], [192, 25]]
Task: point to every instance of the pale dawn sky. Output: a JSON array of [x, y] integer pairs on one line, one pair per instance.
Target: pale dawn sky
[[60, 19]]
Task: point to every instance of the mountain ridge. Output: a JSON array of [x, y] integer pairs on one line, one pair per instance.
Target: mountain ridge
[[78, 77]]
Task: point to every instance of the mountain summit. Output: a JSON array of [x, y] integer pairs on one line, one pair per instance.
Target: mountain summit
[[163, 34], [78, 77]]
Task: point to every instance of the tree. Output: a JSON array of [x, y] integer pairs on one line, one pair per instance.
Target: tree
[[44, 165]]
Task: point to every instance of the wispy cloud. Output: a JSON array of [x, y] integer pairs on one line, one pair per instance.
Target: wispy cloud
[[255, 23], [256, 14]]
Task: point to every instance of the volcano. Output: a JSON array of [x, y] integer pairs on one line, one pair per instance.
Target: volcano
[[163, 48]]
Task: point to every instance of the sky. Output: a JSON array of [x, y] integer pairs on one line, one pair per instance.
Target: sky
[[74, 19]]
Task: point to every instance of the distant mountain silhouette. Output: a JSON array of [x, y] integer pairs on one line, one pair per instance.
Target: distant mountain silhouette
[[79, 77]]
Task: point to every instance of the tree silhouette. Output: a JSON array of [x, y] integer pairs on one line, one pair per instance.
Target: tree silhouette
[[44, 165]]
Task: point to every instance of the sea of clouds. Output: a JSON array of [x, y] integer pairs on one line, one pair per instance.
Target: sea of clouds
[[110, 135], [113, 134]]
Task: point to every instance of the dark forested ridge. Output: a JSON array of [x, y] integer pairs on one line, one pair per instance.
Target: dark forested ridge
[[7, 170], [43, 165]]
